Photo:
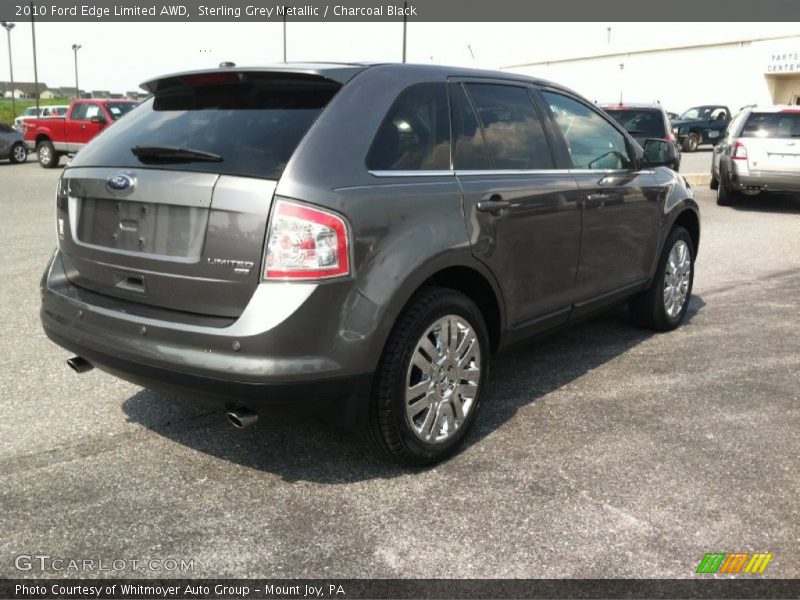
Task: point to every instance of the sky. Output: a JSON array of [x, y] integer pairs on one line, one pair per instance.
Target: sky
[[120, 56]]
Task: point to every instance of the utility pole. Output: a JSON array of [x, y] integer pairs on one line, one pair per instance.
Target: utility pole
[[75, 48], [8, 27], [405, 27], [284, 34], [35, 71]]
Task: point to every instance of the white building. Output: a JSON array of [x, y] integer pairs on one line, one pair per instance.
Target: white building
[[735, 73]]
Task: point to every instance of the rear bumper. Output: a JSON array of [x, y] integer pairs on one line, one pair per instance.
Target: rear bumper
[[767, 181], [341, 401], [292, 360]]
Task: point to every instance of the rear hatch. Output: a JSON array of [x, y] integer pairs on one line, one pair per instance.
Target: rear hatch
[[169, 207], [772, 140], [641, 123]]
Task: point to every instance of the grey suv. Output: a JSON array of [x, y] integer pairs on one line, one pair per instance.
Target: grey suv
[[357, 240]]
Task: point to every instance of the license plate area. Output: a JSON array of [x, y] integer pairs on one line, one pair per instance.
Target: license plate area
[[149, 228]]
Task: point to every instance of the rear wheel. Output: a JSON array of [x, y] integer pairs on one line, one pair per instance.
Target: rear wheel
[[48, 157], [663, 306], [691, 142], [430, 379], [725, 195], [18, 153]]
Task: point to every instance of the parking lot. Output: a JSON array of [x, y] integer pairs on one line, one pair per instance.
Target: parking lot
[[601, 451]]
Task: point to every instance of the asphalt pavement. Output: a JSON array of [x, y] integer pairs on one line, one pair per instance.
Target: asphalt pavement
[[601, 451]]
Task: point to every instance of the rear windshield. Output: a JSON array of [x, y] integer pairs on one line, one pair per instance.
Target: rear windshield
[[772, 125], [639, 122], [253, 125], [117, 109]]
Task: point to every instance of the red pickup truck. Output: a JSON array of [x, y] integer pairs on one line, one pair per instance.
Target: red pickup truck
[[54, 136]]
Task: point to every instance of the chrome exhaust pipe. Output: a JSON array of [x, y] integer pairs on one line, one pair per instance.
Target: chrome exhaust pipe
[[79, 364], [242, 418]]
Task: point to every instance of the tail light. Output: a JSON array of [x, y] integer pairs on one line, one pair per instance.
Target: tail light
[[738, 151], [670, 137], [305, 243]]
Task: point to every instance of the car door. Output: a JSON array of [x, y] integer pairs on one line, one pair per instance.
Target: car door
[[619, 204], [7, 138], [522, 206], [87, 121]]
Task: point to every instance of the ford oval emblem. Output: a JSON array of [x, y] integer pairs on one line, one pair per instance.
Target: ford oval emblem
[[121, 183]]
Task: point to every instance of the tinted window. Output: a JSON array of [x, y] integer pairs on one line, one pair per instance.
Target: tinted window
[[117, 109], [254, 124], [415, 134], [513, 131], [772, 125], [640, 122], [5, 128], [698, 112], [79, 112], [593, 143], [469, 151]]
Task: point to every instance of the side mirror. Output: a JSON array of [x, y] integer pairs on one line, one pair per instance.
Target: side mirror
[[98, 120], [659, 153]]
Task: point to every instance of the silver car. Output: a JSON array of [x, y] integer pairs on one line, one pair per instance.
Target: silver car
[[760, 152], [12, 146]]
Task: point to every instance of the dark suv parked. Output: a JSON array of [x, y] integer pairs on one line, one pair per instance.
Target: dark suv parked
[[356, 239], [644, 122]]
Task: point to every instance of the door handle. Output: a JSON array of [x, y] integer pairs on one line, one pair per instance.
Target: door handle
[[493, 205], [596, 200]]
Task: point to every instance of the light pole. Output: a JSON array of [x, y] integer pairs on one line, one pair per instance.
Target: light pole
[[75, 48], [405, 28], [8, 27]]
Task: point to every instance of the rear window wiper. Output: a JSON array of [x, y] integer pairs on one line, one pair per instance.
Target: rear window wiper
[[174, 153]]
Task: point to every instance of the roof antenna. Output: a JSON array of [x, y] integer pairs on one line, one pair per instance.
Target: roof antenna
[[227, 65]]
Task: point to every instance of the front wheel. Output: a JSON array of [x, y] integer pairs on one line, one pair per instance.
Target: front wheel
[[48, 157], [663, 306], [691, 142], [429, 382], [18, 153]]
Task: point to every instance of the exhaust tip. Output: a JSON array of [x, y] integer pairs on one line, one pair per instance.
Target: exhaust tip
[[242, 418], [79, 364]]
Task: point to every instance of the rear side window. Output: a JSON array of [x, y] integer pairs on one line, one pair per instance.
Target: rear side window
[[512, 129], [772, 125], [469, 150], [415, 134], [593, 143], [640, 122], [254, 123]]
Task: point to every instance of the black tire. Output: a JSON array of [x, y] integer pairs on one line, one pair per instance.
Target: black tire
[[18, 153], [725, 195], [647, 308], [389, 430], [48, 157], [690, 142]]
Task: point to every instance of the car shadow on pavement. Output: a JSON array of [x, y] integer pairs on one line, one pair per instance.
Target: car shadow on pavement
[[772, 203], [302, 449]]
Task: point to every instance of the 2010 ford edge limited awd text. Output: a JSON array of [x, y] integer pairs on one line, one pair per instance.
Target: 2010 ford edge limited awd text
[[358, 239]]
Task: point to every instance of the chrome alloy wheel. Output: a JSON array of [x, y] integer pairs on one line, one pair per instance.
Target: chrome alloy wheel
[[678, 273], [44, 154], [442, 379], [20, 154]]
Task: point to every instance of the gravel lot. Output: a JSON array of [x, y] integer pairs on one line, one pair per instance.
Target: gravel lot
[[602, 451]]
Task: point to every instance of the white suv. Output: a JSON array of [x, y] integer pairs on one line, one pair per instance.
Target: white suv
[[760, 152]]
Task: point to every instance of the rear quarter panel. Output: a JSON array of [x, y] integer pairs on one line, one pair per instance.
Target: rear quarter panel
[[404, 229]]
